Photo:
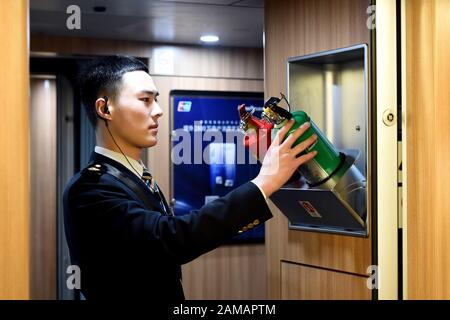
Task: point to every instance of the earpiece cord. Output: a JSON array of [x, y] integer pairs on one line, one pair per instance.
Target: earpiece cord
[[114, 140]]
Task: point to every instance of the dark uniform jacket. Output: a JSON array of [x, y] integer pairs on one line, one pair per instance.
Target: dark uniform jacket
[[126, 249]]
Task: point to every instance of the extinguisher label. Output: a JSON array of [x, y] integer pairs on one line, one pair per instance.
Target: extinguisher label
[[310, 209]]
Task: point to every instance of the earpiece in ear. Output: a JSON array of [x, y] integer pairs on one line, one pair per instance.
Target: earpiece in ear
[[105, 109]]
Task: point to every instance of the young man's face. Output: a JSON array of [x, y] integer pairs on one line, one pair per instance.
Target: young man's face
[[135, 111]]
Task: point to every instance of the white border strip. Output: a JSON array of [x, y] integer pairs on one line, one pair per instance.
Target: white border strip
[[386, 68]]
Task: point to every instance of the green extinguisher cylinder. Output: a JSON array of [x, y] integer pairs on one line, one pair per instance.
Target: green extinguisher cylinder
[[327, 161]]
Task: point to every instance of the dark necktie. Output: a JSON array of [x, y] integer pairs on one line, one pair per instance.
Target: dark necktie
[[151, 184], [148, 180]]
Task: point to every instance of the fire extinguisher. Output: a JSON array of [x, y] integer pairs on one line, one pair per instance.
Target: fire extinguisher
[[328, 159]]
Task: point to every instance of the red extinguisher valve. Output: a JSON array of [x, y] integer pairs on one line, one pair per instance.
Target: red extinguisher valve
[[258, 132]]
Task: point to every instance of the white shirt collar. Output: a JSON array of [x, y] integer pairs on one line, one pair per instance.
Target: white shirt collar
[[135, 165]]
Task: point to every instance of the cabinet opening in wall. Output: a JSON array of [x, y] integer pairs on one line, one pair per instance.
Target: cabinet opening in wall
[[332, 88]]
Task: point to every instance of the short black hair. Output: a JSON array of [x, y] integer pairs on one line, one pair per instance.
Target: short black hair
[[102, 77]]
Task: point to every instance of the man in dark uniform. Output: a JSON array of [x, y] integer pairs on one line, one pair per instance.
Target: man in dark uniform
[[120, 230]]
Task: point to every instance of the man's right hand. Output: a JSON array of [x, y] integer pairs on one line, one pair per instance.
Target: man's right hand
[[280, 161]]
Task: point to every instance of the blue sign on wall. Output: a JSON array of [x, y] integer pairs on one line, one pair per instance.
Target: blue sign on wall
[[208, 158]]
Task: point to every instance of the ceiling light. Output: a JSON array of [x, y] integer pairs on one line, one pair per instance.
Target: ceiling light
[[209, 38]]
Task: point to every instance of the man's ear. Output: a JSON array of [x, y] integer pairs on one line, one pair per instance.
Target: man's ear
[[102, 109]]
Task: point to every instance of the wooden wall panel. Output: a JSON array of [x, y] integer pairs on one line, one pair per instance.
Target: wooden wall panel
[[300, 282], [428, 148], [211, 62], [196, 68], [14, 188], [294, 28], [43, 187], [229, 272]]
